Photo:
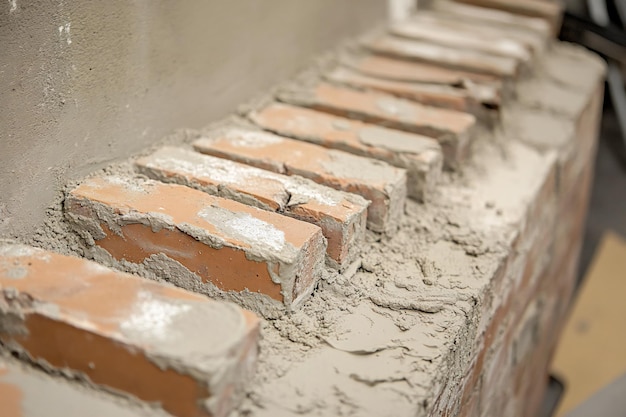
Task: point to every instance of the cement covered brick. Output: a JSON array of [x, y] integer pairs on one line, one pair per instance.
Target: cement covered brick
[[421, 156], [154, 342], [341, 216], [459, 36], [261, 259], [416, 50], [382, 184], [451, 128], [436, 95], [26, 392], [550, 11]]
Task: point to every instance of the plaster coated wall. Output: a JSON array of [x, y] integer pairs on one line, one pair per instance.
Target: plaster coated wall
[[85, 83]]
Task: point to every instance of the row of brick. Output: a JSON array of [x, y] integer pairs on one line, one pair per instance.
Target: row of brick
[[255, 211]]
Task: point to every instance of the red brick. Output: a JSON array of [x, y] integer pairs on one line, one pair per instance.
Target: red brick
[[492, 17], [436, 95], [341, 216], [413, 71], [451, 128], [26, 392], [382, 184], [415, 50], [240, 250], [155, 342], [446, 33], [549, 10], [419, 155]]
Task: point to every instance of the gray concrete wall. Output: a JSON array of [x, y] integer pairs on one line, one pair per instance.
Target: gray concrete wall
[[85, 83]]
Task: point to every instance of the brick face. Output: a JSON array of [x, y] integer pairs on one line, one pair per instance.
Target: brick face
[[234, 247], [451, 128], [419, 155], [341, 216], [125, 333], [430, 94], [382, 184], [502, 67]]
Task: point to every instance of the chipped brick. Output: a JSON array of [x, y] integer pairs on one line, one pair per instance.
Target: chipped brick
[[419, 155], [382, 184], [261, 259], [155, 342], [452, 129], [341, 216]]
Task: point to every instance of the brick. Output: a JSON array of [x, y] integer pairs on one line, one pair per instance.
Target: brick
[[548, 10], [437, 95], [382, 184], [341, 216], [266, 261], [155, 342], [415, 50], [446, 33], [484, 15], [451, 128], [483, 88], [534, 36], [421, 156], [413, 71], [25, 392]]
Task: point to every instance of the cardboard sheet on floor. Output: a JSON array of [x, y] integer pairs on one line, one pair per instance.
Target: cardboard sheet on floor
[[592, 349]]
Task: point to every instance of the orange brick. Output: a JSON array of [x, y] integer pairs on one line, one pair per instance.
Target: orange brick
[[483, 88], [446, 33], [341, 216], [26, 392], [414, 71], [155, 342], [491, 17], [451, 128], [502, 67], [382, 184], [549, 10], [227, 249], [419, 155], [437, 95]]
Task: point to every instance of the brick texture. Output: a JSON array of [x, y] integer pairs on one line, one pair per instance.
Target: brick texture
[[382, 184], [421, 156], [240, 250], [436, 95], [502, 67], [491, 17], [154, 342], [452, 129], [341, 216], [549, 10], [462, 37], [532, 33]]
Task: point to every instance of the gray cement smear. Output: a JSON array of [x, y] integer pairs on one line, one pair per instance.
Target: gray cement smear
[[400, 329]]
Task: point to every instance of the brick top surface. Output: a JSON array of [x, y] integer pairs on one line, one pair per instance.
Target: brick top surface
[[275, 190], [165, 321], [288, 155], [402, 70], [428, 120], [236, 224], [459, 58], [324, 128]]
